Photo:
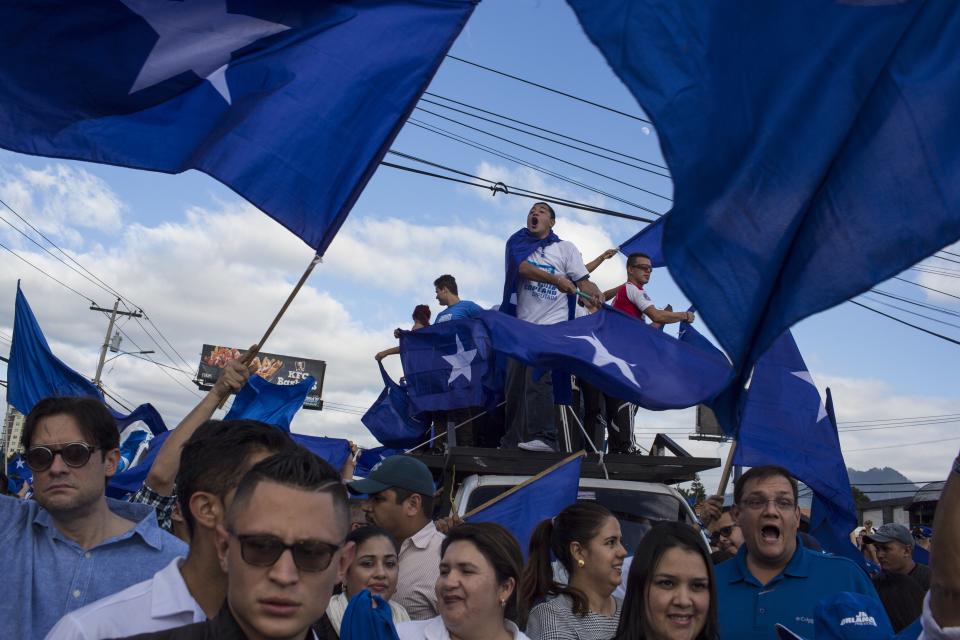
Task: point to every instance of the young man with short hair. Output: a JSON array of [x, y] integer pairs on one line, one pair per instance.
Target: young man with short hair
[[400, 500], [447, 295], [774, 578], [212, 463], [71, 545], [894, 544]]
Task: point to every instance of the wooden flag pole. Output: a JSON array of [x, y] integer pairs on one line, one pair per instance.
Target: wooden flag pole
[[513, 490], [727, 468], [252, 353]]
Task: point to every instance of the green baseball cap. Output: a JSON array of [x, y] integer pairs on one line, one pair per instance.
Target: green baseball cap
[[399, 471]]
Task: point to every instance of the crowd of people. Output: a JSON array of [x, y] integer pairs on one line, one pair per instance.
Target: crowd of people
[[248, 535]]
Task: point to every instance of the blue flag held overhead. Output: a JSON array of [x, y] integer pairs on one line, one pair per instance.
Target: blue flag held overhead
[[271, 403], [447, 365], [649, 241], [264, 96], [541, 497], [17, 473], [813, 146], [333, 450], [389, 419]]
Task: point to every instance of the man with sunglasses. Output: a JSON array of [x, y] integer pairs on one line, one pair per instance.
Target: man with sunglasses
[[283, 550], [71, 545], [725, 532], [210, 466]]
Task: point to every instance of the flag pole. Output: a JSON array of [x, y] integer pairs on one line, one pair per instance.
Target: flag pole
[[252, 353], [513, 490], [727, 468]]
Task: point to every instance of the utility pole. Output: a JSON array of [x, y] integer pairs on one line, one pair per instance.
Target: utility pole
[[106, 341]]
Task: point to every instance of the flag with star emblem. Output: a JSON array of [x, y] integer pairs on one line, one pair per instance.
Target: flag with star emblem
[[17, 473], [447, 365], [617, 354], [291, 104]]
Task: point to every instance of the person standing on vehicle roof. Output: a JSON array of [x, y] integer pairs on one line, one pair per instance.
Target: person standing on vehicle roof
[[540, 267], [400, 500]]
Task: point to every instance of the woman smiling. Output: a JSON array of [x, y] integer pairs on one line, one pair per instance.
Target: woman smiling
[[477, 589]]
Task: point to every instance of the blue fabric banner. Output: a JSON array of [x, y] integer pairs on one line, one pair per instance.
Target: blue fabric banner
[[389, 419], [17, 473], [649, 241], [370, 457], [130, 480], [811, 144], [447, 365], [333, 450], [264, 401], [525, 508], [263, 95]]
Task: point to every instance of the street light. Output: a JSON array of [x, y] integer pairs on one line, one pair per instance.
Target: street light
[[127, 353]]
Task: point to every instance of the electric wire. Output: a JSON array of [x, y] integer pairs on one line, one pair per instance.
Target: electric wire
[[915, 313], [916, 303], [918, 328], [923, 286], [62, 284], [906, 444]]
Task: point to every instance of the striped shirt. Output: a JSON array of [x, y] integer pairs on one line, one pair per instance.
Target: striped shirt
[[419, 570], [555, 620]]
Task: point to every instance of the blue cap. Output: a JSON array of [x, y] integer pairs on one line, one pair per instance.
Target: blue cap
[[846, 616]]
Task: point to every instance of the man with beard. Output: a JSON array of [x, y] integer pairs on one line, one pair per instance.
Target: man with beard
[[71, 545], [774, 578]]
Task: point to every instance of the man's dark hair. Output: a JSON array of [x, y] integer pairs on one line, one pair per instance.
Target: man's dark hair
[[553, 214], [214, 458], [502, 551], [633, 257], [95, 421], [299, 469], [762, 473], [448, 282], [426, 502], [421, 314]]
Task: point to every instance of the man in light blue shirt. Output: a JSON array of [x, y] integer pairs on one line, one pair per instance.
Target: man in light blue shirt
[[773, 578], [447, 294], [71, 545]]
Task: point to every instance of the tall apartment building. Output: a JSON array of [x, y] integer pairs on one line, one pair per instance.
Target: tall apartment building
[[12, 432]]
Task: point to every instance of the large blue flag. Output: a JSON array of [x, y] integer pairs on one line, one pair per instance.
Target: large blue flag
[[130, 447], [34, 373], [648, 240], [529, 504], [271, 403], [447, 365], [131, 479], [369, 458], [266, 96], [389, 418], [17, 473], [813, 146], [617, 354], [333, 450]]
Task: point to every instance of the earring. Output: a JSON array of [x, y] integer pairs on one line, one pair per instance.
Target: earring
[[580, 562], [503, 603]]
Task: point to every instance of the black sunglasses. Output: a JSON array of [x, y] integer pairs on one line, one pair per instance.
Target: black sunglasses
[[264, 551], [74, 454], [722, 531]]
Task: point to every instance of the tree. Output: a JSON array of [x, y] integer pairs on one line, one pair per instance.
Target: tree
[[696, 493], [860, 499]]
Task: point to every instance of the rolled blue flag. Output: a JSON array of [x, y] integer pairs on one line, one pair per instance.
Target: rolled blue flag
[[389, 418], [274, 404]]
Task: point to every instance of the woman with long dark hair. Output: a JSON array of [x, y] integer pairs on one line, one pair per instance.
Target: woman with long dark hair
[[671, 594], [585, 538]]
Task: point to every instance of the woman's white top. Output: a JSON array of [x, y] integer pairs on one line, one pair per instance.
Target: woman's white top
[[434, 629]]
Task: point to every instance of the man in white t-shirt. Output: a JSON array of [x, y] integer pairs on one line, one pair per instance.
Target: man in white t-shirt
[[546, 277]]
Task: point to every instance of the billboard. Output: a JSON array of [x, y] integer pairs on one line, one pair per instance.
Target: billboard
[[272, 367], [707, 424]]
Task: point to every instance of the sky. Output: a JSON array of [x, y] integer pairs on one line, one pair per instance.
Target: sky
[[207, 267]]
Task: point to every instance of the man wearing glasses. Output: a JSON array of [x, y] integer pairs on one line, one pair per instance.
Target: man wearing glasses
[[71, 545], [282, 548], [725, 533], [774, 578]]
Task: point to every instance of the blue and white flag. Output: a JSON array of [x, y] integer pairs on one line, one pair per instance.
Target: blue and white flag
[[333, 450], [447, 365], [265, 96], [271, 403], [648, 240], [617, 354], [130, 447], [813, 146], [369, 458], [17, 473], [389, 418], [529, 504], [131, 479]]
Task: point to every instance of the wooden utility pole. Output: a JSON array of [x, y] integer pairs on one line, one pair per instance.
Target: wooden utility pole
[[106, 341]]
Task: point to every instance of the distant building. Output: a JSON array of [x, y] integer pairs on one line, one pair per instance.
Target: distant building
[[925, 504], [12, 432], [910, 510]]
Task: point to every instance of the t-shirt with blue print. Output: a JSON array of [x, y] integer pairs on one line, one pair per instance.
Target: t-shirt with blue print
[[459, 311]]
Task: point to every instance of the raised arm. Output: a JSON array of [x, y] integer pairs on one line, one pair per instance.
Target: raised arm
[[163, 472], [596, 262], [662, 316]]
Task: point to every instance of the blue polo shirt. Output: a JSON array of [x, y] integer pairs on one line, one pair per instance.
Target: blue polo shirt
[[749, 609], [47, 575], [460, 311]]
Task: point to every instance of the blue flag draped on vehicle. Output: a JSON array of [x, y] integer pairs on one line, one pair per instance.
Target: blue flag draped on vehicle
[[617, 354], [17, 473], [271, 403], [34, 373], [528, 504], [812, 145], [447, 365], [333, 450], [648, 240], [389, 418], [265, 96]]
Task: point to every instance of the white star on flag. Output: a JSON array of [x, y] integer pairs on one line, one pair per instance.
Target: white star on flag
[[806, 377], [602, 357], [460, 362], [198, 36], [19, 463]]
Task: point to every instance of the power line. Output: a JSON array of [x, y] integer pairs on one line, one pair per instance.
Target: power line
[[905, 418], [916, 303], [545, 154], [87, 298], [550, 89], [887, 315], [920, 315], [923, 286], [548, 139], [939, 257], [908, 444]]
